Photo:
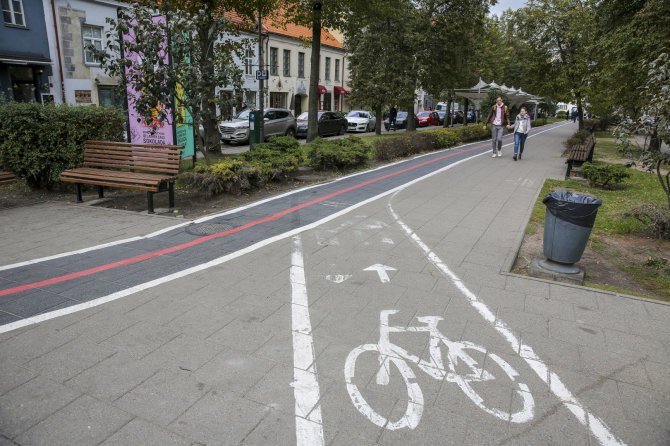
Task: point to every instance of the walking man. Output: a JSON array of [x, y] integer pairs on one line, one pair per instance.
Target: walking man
[[393, 114], [521, 129], [499, 117]]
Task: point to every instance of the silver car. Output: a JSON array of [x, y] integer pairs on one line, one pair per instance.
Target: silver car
[[276, 122]]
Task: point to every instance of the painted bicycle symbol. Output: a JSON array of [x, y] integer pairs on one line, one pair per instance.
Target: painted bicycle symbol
[[457, 355]]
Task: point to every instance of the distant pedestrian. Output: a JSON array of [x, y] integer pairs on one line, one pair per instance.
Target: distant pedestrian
[[499, 117], [567, 114], [521, 129], [393, 114], [574, 114]]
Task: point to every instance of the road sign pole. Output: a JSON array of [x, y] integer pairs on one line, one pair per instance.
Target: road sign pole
[[260, 81]]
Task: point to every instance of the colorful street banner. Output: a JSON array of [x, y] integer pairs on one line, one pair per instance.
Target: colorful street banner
[[157, 127]]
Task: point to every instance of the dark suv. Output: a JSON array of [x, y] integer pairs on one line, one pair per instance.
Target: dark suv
[[277, 122]]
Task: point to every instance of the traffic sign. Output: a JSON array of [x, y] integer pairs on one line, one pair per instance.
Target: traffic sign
[[262, 75]]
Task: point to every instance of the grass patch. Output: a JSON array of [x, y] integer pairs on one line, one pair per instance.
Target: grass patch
[[605, 135], [652, 275]]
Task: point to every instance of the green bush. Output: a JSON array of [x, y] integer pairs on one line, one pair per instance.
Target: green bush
[[279, 157], [323, 154], [592, 124], [390, 148], [473, 132], [38, 142], [578, 139], [605, 175], [561, 114]]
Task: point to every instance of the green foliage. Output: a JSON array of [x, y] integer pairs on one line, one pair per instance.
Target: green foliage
[[561, 114], [538, 122], [654, 217], [337, 154], [470, 133], [275, 160], [490, 101], [406, 145], [608, 176], [38, 142], [578, 139]]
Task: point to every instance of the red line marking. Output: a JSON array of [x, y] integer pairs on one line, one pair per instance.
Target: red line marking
[[200, 240]]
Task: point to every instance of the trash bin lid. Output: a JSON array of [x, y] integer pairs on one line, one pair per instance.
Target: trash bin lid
[[577, 209]]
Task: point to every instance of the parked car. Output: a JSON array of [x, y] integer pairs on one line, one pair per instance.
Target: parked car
[[443, 115], [457, 116], [428, 118], [329, 124], [400, 121], [361, 121], [276, 122]]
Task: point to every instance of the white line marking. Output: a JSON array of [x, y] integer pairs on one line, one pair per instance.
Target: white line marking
[[598, 428], [308, 421], [136, 289], [381, 271]]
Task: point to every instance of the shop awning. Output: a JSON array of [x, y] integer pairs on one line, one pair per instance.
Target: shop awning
[[322, 90], [339, 90]]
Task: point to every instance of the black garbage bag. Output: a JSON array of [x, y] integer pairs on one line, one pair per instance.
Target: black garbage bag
[[580, 210]]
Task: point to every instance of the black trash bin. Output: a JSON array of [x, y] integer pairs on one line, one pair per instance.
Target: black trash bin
[[567, 227]]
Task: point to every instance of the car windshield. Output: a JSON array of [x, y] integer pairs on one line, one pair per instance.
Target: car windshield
[[402, 115], [424, 114], [244, 114], [304, 116], [357, 114]]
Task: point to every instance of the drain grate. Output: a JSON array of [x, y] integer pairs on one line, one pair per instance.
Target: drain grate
[[208, 228]]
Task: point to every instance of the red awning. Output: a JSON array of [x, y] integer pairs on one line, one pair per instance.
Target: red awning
[[340, 90], [322, 90]]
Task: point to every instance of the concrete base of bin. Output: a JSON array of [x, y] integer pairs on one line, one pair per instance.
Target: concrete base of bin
[[537, 270]]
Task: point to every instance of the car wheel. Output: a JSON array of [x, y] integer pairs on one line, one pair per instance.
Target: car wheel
[[343, 129], [290, 132], [367, 128]]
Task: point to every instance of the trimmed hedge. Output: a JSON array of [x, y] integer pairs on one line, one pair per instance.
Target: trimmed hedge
[[275, 160], [607, 176], [337, 154], [38, 142], [414, 143]]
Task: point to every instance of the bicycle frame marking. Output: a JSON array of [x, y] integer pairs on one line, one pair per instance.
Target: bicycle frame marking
[[389, 353]]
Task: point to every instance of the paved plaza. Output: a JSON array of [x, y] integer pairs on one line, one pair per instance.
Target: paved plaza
[[373, 310]]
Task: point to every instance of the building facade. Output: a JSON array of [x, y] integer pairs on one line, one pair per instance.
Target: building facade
[[25, 61]]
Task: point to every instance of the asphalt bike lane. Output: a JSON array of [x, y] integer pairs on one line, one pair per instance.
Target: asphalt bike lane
[[34, 291]]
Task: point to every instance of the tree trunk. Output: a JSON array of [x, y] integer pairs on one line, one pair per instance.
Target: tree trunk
[[411, 124], [380, 118], [465, 112], [212, 137], [579, 111], [448, 120], [313, 101]]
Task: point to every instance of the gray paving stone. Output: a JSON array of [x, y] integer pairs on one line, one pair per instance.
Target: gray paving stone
[[142, 432], [524, 322], [233, 371], [549, 307], [273, 429], [622, 305], [645, 406], [113, 377], [98, 326], [580, 334], [141, 339], [70, 359], [30, 403], [581, 297], [163, 397], [38, 301], [626, 367], [658, 375], [618, 341], [183, 353], [590, 316], [220, 418], [84, 422], [32, 342], [527, 286], [13, 375], [242, 335], [496, 298], [553, 351], [657, 310], [274, 389], [557, 428]]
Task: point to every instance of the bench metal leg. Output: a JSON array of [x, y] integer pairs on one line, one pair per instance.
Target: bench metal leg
[[77, 188], [171, 194], [150, 202], [101, 194], [567, 174]]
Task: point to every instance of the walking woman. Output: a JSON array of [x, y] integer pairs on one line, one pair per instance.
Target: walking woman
[[521, 129]]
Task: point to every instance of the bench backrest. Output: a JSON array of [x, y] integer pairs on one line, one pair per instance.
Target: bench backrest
[[136, 157]]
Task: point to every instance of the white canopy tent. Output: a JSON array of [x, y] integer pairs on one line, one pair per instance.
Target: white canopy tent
[[481, 91]]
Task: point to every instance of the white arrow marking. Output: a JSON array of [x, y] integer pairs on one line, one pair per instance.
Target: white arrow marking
[[381, 270]]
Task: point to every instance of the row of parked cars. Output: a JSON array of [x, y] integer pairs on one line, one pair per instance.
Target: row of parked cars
[[280, 122]]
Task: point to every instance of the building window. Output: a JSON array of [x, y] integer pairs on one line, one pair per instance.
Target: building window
[[301, 65], [111, 96], [249, 62], [337, 69], [92, 35], [12, 11], [278, 100], [273, 62], [327, 69], [287, 63]]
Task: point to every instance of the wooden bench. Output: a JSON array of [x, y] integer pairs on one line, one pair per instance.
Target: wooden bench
[[148, 167], [7, 178], [580, 154]]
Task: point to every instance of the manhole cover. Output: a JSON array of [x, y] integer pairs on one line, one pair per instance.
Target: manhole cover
[[208, 228]]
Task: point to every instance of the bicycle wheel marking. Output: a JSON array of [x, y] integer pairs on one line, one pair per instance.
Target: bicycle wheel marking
[[308, 421], [597, 427], [387, 353]]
